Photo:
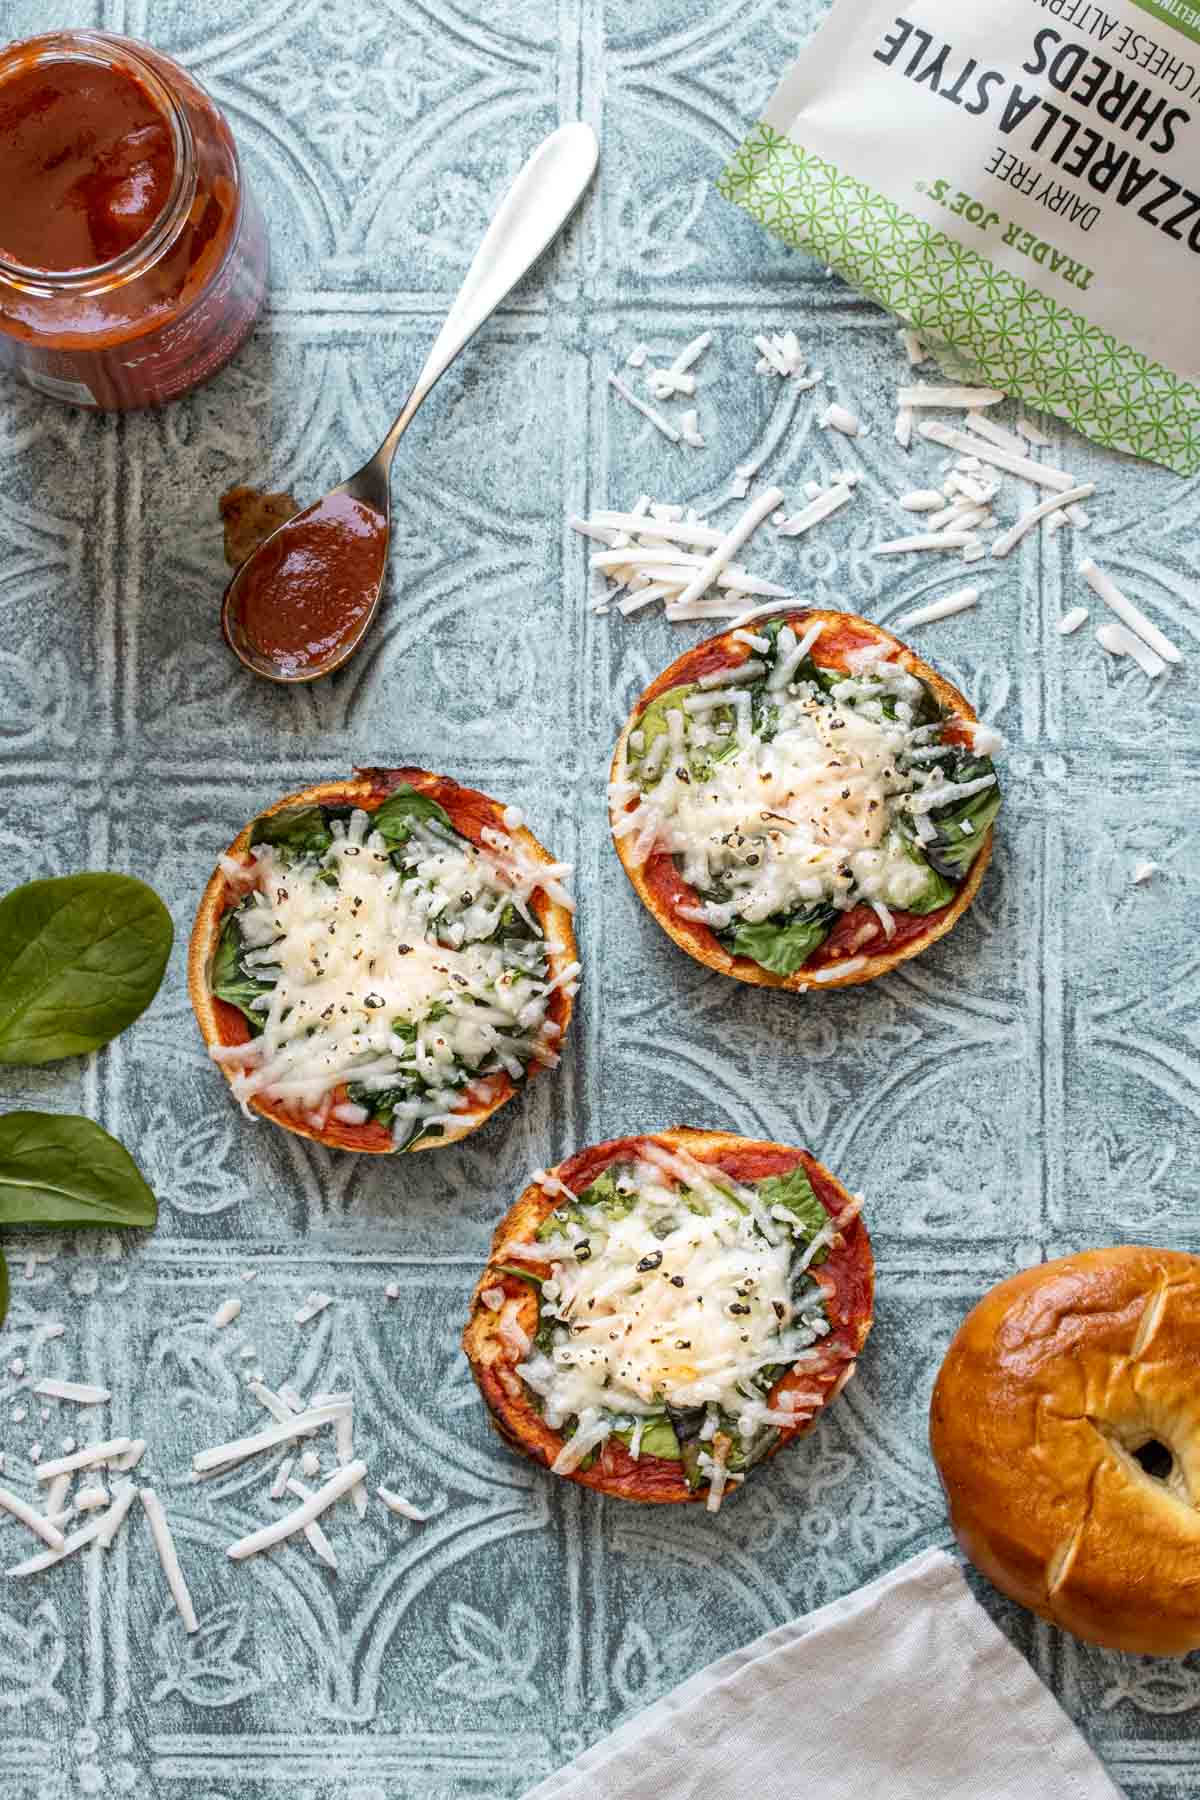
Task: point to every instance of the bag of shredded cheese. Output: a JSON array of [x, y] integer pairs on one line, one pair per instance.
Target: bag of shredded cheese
[[1020, 182]]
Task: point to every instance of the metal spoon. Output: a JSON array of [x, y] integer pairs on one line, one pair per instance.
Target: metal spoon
[[533, 212]]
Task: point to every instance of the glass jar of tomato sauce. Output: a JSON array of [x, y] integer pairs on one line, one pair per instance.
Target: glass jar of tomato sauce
[[133, 260]]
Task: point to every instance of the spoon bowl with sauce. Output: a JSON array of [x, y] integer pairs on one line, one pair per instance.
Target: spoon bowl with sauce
[[301, 604]]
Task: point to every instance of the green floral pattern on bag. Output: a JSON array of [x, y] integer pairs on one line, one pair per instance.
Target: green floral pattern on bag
[[995, 326]]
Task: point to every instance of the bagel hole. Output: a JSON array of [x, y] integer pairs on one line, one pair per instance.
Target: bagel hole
[[1155, 1457]]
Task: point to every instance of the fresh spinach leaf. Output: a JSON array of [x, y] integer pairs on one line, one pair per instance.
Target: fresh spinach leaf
[[658, 1439], [935, 891], [781, 946], [689, 1455], [603, 1192], [300, 830], [686, 1421], [59, 1169], [522, 1274], [794, 1191], [229, 981], [421, 1134], [653, 723], [81, 956], [566, 1214], [513, 928], [543, 1337], [961, 829], [825, 679], [394, 820]]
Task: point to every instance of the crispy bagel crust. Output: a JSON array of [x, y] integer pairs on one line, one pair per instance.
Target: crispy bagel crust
[[1051, 1383], [662, 889], [848, 1279], [470, 812]]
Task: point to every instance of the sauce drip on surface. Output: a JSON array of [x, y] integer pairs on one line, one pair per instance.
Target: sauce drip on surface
[[306, 595], [88, 164]]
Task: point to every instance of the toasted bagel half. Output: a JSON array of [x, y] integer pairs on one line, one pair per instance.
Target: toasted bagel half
[[862, 944], [472, 814], [1065, 1426], [507, 1307]]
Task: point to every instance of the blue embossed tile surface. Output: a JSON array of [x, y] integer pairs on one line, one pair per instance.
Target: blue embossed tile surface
[[1027, 1087]]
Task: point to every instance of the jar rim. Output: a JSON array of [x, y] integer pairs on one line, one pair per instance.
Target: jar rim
[[116, 52]]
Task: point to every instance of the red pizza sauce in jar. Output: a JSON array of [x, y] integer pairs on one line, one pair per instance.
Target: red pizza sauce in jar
[[133, 259]]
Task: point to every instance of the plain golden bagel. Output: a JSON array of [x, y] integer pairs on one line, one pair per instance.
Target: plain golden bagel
[[859, 939], [1065, 1425], [471, 812], [493, 1348]]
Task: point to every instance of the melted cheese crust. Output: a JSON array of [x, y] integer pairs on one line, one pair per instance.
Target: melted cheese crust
[[799, 809], [383, 977], [683, 1301]]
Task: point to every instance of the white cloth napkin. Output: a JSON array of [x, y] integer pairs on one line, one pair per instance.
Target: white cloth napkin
[[904, 1690]]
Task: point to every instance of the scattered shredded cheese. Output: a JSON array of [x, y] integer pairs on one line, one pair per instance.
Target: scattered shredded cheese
[[316, 1304], [34, 1565], [922, 500], [923, 394], [80, 1391], [271, 1402], [648, 412], [312, 1508], [1118, 640], [838, 418], [1103, 584], [941, 609], [222, 1456], [403, 1508], [938, 433], [41, 1526], [312, 1531], [820, 507], [164, 1543], [834, 971], [56, 1494], [87, 1458], [226, 1313], [109, 1525], [1008, 540], [933, 540]]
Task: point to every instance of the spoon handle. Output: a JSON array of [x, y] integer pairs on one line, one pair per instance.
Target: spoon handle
[[529, 218]]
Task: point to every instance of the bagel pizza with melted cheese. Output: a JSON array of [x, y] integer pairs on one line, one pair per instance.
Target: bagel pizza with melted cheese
[[379, 963], [661, 1313], [803, 802], [1065, 1424]]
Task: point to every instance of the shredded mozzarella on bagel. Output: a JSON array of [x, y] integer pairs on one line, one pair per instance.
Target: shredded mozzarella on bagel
[[391, 972], [673, 1293], [800, 793]]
